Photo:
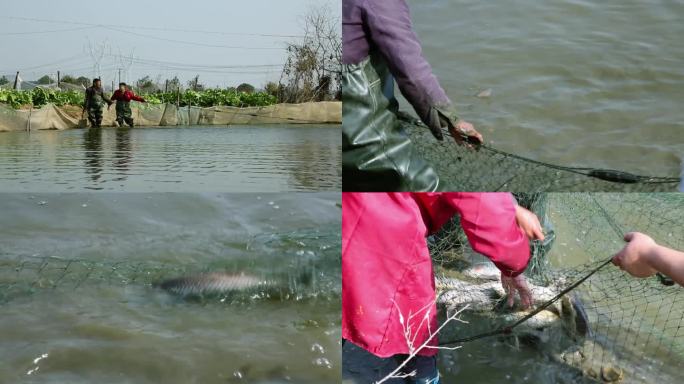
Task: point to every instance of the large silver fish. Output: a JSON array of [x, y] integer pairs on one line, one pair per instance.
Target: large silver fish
[[215, 284], [482, 291]]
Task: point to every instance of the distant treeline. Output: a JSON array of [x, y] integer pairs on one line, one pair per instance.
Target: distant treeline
[[38, 97]]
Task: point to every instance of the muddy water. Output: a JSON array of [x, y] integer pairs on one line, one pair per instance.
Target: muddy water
[[78, 305], [594, 84]]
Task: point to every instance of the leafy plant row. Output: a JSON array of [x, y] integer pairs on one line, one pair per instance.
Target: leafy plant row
[[208, 98]]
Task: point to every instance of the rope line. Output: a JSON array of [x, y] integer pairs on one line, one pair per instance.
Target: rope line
[[611, 175]]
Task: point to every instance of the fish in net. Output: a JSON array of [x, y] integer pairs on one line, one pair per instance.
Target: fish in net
[[595, 321], [308, 267], [487, 168]]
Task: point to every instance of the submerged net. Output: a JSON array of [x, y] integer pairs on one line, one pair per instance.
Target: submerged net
[[490, 169], [608, 327], [306, 265]]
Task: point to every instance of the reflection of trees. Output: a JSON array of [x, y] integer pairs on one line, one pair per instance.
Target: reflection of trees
[[122, 154], [316, 164], [92, 145]]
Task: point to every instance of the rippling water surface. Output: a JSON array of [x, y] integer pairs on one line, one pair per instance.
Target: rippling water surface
[[77, 304], [193, 159], [581, 83]]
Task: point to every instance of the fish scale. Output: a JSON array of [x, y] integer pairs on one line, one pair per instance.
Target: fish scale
[[215, 283]]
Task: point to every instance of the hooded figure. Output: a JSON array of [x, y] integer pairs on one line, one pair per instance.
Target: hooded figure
[[387, 270], [378, 44]]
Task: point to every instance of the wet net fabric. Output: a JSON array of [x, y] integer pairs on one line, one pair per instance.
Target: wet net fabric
[[489, 169], [306, 264], [611, 326]]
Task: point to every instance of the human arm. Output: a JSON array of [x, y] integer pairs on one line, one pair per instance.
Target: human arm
[[500, 230], [643, 257], [107, 100], [86, 100], [137, 98], [389, 27], [115, 95]]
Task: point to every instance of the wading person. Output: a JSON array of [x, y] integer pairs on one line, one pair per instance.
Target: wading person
[[93, 104], [387, 269], [123, 97], [379, 45]]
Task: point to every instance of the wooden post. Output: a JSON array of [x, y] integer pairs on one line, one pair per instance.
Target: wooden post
[[166, 86], [28, 125], [16, 80], [58, 79]]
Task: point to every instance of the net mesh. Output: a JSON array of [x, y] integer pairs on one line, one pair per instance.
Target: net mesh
[[611, 326], [489, 169], [308, 267]]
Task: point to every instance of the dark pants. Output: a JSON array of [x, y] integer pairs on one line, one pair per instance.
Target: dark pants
[[124, 113], [361, 367], [95, 115], [377, 155]]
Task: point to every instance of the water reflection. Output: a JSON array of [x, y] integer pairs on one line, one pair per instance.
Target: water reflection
[[92, 145], [123, 154], [273, 158]]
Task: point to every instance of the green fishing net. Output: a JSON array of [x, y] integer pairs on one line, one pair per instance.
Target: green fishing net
[[611, 326], [490, 169], [305, 261]]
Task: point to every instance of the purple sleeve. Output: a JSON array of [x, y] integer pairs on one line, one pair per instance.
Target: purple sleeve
[[389, 24]]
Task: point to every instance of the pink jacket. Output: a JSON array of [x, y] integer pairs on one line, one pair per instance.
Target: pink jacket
[[386, 266]]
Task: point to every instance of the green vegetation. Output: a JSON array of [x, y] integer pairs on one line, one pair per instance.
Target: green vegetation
[[208, 98], [39, 97]]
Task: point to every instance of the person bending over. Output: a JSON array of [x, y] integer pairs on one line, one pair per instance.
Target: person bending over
[[387, 269]]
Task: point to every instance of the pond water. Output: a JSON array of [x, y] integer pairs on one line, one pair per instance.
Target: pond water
[[77, 302], [579, 83], [183, 159]]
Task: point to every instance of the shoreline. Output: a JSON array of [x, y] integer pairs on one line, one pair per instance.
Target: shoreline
[[51, 117]]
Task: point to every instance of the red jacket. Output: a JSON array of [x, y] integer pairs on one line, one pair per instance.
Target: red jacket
[[386, 266], [126, 96]]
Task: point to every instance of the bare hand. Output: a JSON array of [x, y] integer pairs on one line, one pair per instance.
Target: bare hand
[[518, 284], [634, 257], [464, 133], [529, 223]]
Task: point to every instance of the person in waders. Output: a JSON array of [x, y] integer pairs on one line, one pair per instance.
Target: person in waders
[[123, 97], [387, 271], [93, 103], [378, 45]]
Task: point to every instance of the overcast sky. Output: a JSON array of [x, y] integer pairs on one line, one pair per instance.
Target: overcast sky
[[211, 38]]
